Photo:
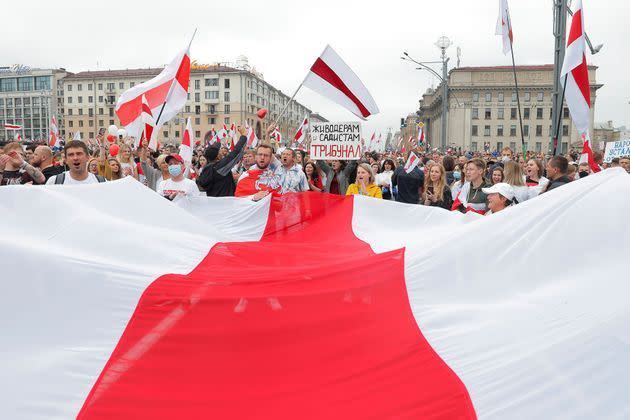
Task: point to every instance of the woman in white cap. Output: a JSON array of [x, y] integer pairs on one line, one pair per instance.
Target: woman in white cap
[[500, 196]]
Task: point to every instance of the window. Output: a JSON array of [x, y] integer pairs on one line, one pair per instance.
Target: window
[[513, 131], [499, 145], [91, 112], [121, 85], [187, 108], [565, 112], [539, 131], [473, 146], [500, 113], [188, 96], [111, 122], [512, 113], [197, 96], [132, 84], [100, 123], [69, 111], [475, 96], [197, 134], [226, 109], [226, 120], [212, 82], [197, 120], [211, 120], [488, 114], [111, 113], [197, 109], [111, 87], [514, 97], [550, 113], [89, 86], [526, 113], [226, 83], [488, 96], [165, 134], [80, 111], [100, 99], [91, 123], [69, 99], [212, 109], [565, 130], [475, 113], [213, 94], [486, 130], [42, 83], [512, 145], [90, 99], [80, 88], [80, 123], [176, 134], [70, 123], [539, 113], [197, 84], [226, 96], [100, 86], [69, 88], [526, 130], [80, 99], [540, 96], [528, 96], [538, 146], [499, 130], [25, 84]]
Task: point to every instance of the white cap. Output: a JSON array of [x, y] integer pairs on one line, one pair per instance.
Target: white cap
[[501, 188]]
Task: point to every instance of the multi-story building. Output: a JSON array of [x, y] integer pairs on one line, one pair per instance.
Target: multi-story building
[[483, 111], [29, 98], [218, 94]]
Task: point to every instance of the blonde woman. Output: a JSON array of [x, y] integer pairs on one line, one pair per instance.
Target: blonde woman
[[127, 164], [514, 176], [365, 184], [436, 191]]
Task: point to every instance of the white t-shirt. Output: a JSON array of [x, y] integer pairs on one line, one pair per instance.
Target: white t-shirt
[[185, 187], [91, 179]]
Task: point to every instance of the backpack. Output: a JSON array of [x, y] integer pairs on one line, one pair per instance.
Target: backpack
[[59, 179]]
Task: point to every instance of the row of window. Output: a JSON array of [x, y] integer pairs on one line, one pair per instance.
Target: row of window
[[27, 123], [526, 96], [25, 84], [538, 146], [487, 115], [111, 86], [26, 102], [513, 130], [26, 113]]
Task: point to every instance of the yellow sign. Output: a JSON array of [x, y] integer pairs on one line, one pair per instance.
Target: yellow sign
[[197, 66]]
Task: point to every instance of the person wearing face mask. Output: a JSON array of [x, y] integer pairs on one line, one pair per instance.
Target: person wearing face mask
[[506, 154], [584, 170], [177, 185]]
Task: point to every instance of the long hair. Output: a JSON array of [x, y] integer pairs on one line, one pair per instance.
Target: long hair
[[390, 162], [367, 167], [115, 175], [539, 165], [316, 176], [438, 187], [513, 174]]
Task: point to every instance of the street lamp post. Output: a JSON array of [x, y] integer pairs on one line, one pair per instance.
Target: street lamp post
[[442, 43]]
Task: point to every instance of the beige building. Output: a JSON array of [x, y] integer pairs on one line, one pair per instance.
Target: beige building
[[483, 109], [218, 94], [29, 98]]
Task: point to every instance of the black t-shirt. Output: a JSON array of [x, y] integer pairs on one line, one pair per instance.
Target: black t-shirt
[[15, 178], [408, 184], [52, 171]]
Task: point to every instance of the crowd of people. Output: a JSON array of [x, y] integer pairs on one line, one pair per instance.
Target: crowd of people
[[480, 182]]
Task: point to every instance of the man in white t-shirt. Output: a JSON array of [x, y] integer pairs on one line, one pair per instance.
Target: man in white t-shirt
[[178, 184], [76, 153]]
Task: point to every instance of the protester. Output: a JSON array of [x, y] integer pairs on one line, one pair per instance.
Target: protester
[[384, 178], [500, 197], [449, 166], [92, 166], [338, 175], [292, 177], [178, 185], [261, 180], [515, 178], [313, 177], [15, 170], [43, 160], [248, 159], [153, 175], [216, 177], [497, 175], [584, 169], [408, 185], [436, 192], [625, 163], [364, 184], [76, 156], [28, 153], [534, 172], [115, 168], [506, 154], [125, 161], [471, 197], [557, 169]]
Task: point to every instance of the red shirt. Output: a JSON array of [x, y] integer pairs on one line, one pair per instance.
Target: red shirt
[[256, 180]]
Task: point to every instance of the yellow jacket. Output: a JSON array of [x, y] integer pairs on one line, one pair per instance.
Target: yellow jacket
[[373, 190]]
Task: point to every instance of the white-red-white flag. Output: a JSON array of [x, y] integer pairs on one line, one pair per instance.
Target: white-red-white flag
[[185, 148], [12, 127], [300, 135], [148, 123], [18, 137], [577, 89], [504, 26], [420, 134], [370, 144], [53, 141], [252, 139], [412, 161], [331, 77], [165, 94], [276, 135]]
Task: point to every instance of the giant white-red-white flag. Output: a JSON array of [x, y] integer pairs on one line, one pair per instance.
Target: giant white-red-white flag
[[577, 89], [300, 135], [185, 148], [165, 94], [504, 26], [53, 141], [331, 77]]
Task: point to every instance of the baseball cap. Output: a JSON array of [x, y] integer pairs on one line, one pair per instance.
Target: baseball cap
[[175, 156], [501, 188]]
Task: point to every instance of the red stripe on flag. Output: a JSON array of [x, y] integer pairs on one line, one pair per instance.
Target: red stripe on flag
[[322, 69], [576, 30], [183, 72], [131, 110], [256, 332], [580, 75]]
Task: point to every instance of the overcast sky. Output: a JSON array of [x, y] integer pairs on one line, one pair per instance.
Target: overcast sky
[[283, 38]]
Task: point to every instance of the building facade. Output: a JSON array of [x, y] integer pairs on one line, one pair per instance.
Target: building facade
[[29, 98], [483, 110], [218, 94]]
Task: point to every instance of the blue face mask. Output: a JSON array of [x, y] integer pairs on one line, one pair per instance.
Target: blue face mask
[[174, 170], [457, 175]]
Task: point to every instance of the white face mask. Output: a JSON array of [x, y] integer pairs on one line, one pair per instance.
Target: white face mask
[[505, 159]]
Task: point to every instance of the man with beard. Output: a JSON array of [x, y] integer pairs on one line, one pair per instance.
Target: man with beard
[[261, 180], [15, 170], [292, 177], [43, 160]]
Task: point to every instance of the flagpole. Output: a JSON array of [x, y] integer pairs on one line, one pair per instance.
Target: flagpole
[[170, 89], [518, 96], [560, 115], [288, 103]]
